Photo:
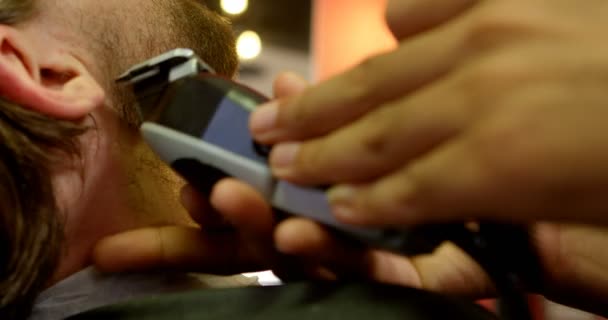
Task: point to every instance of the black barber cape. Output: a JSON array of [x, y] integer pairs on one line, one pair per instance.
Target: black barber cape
[[305, 300]]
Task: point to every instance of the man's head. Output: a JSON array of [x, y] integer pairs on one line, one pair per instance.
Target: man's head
[[117, 34], [72, 166]]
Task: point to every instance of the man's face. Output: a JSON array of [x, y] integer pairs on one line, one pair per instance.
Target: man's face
[[118, 34]]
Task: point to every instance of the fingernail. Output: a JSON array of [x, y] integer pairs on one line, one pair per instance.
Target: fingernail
[[341, 194], [294, 81], [264, 119], [341, 198], [284, 155]]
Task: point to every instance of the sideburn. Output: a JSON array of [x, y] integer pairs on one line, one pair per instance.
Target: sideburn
[[30, 232]]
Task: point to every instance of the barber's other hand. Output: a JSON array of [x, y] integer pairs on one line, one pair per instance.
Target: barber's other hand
[[494, 109], [238, 233], [241, 235]]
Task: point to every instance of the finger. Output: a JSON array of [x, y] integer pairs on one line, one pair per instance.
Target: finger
[[432, 189], [447, 270], [344, 98], [308, 240], [174, 248], [317, 245], [450, 270], [254, 220], [380, 142], [244, 207], [251, 215], [304, 237], [409, 17], [201, 210], [288, 83]]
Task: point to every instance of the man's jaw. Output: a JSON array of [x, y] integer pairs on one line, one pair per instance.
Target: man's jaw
[[116, 185]]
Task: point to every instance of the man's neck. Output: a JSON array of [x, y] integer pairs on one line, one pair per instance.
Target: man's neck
[[121, 186]]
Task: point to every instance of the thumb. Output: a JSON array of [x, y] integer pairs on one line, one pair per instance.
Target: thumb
[[146, 248], [170, 247]]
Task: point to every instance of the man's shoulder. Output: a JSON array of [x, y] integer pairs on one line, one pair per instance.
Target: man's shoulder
[[90, 289]]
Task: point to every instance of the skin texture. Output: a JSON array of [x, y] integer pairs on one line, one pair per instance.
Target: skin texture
[[488, 109]]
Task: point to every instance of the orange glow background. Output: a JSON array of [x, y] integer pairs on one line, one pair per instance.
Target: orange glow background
[[346, 32]]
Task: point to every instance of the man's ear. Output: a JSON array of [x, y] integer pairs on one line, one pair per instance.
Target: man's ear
[[52, 81]]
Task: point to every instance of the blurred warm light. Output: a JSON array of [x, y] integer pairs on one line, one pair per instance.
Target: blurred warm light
[[234, 7], [249, 45], [266, 278], [346, 32]]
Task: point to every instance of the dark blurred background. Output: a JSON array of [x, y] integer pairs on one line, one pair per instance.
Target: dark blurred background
[[273, 36], [283, 23]]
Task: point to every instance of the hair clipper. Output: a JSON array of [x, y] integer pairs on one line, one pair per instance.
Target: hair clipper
[[197, 122]]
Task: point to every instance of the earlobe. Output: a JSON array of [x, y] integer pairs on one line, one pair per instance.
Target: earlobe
[[53, 82]]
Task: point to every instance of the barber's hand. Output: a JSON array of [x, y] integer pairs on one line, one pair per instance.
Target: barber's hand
[[488, 109], [241, 235], [238, 233]]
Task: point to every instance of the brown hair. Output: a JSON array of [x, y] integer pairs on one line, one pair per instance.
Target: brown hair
[[30, 233]]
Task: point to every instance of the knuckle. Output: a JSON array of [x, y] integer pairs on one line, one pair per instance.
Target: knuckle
[[489, 79], [396, 13], [362, 88], [493, 24], [295, 113], [482, 77], [310, 162], [352, 92], [378, 134], [508, 153]]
